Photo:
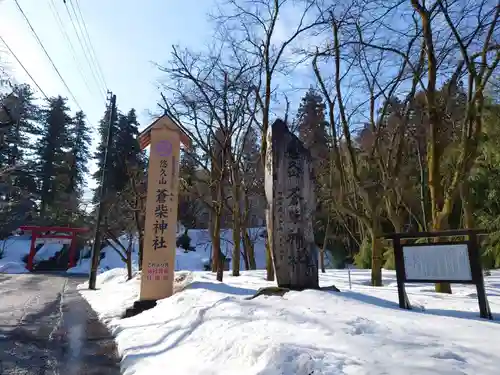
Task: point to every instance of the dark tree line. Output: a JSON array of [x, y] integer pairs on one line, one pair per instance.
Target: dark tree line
[[45, 158]]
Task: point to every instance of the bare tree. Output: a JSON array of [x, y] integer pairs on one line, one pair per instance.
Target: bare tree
[[254, 30], [208, 96], [471, 28], [361, 173]]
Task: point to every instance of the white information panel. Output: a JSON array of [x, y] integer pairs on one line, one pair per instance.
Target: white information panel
[[437, 262], [60, 241]]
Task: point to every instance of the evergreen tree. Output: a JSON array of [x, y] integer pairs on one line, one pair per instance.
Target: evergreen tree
[[17, 183], [312, 125], [53, 150], [71, 179], [312, 132], [18, 142], [252, 173], [127, 154], [80, 154], [101, 149], [188, 207]]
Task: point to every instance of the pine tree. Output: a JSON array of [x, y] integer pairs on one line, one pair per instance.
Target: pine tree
[[80, 149], [127, 154], [17, 183], [18, 142], [53, 150], [188, 207], [312, 125], [73, 169], [101, 149]]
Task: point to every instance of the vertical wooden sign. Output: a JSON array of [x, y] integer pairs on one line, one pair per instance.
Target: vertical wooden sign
[[158, 262]]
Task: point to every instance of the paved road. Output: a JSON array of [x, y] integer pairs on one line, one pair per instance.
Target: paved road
[[47, 328]]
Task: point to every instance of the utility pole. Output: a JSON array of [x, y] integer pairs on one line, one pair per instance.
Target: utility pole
[[96, 248]]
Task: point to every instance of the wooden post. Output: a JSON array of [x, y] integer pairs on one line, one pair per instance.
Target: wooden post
[[289, 184], [404, 302], [72, 251], [31, 256], [477, 275], [158, 267]]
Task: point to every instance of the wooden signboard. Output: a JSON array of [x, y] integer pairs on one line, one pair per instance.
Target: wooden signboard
[[158, 261], [450, 262]]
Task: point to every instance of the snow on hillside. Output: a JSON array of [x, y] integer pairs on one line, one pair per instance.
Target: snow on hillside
[[210, 328], [190, 261], [17, 247], [12, 251]]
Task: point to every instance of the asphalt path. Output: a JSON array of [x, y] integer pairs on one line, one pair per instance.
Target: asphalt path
[[47, 328]]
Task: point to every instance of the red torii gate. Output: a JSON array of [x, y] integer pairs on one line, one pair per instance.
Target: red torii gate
[[59, 238]]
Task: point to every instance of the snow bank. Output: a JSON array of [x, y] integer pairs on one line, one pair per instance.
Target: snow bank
[[201, 241], [12, 267], [209, 328], [47, 251], [12, 252]]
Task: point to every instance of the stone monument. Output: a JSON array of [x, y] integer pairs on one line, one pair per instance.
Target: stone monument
[[289, 186]]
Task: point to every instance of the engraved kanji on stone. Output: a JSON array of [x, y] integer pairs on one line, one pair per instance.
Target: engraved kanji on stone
[[294, 169], [159, 243], [296, 238], [162, 180], [161, 211], [161, 195], [163, 163], [294, 195], [160, 226]]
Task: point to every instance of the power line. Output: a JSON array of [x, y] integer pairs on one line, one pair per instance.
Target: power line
[[47, 54], [24, 68], [82, 46], [55, 13], [90, 43]]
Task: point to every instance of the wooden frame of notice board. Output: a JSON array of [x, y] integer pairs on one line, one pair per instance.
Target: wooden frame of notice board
[[454, 262]]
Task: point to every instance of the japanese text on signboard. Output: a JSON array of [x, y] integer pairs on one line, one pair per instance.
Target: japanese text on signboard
[[157, 271]]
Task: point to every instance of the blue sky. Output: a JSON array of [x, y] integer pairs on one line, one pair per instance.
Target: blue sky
[[126, 36]]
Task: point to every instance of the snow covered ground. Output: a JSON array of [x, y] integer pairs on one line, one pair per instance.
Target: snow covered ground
[[210, 328]]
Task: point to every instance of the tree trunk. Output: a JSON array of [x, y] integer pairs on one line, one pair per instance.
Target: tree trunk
[[247, 243], [467, 208], [377, 256], [269, 262], [323, 248], [141, 249], [129, 263], [423, 189], [250, 250], [245, 247], [216, 250], [236, 222], [441, 223], [393, 215], [236, 239]]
